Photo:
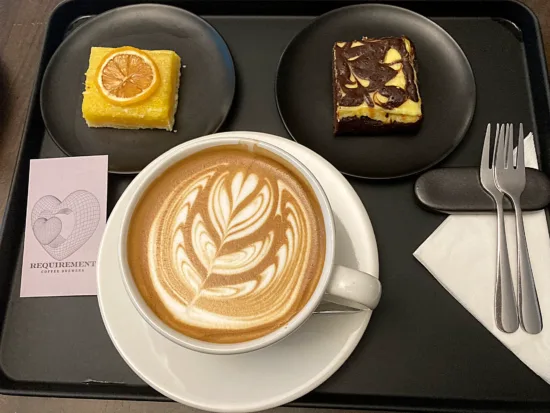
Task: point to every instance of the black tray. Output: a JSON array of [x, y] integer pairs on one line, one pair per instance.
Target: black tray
[[422, 349]]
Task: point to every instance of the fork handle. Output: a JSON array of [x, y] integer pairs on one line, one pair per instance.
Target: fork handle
[[529, 310], [506, 316]]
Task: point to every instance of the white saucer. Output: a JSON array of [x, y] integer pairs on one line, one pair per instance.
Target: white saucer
[[265, 378]]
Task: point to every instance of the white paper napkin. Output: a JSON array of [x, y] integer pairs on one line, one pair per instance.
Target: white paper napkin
[[461, 255]]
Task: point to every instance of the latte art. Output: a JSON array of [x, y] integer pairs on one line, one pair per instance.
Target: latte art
[[227, 245]]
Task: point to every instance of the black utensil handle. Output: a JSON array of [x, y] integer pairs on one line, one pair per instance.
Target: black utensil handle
[[454, 190]]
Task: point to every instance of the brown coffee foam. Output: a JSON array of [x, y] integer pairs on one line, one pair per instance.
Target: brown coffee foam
[[153, 251]]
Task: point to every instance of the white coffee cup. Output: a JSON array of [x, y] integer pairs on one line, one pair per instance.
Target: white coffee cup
[[337, 284]]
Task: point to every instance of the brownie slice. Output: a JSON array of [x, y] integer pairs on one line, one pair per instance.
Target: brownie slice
[[375, 86]]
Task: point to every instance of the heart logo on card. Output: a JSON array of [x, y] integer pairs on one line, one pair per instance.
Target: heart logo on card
[[46, 230], [62, 227]]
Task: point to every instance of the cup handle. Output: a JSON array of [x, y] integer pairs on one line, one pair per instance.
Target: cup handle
[[353, 288]]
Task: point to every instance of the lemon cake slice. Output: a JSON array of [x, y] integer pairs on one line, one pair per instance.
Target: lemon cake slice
[[129, 88], [375, 86]]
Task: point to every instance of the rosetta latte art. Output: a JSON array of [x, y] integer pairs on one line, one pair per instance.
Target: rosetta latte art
[[233, 249]]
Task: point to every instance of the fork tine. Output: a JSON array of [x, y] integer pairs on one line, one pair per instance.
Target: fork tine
[[509, 146], [498, 154], [520, 160], [485, 155], [494, 156]]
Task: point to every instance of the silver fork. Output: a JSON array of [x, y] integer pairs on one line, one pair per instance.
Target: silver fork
[[506, 316], [511, 181]]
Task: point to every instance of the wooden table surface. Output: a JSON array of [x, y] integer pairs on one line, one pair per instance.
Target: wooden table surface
[[22, 26]]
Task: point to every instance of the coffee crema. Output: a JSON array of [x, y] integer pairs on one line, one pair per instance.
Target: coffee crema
[[227, 245]]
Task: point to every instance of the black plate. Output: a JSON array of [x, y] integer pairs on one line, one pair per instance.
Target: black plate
[[446, 82], [205, 94]]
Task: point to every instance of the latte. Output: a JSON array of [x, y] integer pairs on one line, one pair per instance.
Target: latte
[[227, 245]]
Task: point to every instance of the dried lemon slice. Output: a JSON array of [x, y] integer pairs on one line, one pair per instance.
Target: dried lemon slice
[[127, 75]]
